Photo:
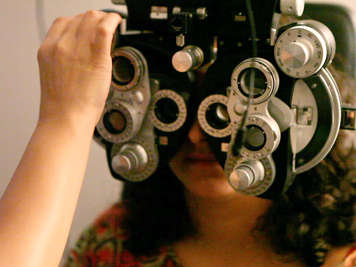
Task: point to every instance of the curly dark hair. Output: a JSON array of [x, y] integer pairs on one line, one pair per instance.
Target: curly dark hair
[[318, 211], [157, 212]]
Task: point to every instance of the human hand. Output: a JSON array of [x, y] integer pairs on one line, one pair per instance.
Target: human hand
[[75, 66]]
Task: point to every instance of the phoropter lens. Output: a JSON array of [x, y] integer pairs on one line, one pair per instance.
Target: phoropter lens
[[217, 116], [258, 78], [123, 71], [114, 122], [166, 110], [255, 138]]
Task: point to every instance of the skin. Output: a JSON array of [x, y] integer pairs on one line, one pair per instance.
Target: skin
[[37, 208]]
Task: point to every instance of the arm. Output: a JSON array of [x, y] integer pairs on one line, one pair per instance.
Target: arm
[[341, 257], [37, 208]]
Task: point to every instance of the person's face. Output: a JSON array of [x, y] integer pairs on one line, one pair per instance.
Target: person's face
[[196, 167]]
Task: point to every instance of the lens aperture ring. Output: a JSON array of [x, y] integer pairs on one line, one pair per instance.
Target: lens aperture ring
[[261, 127], [125, 131], [128, 68], [173, 103], [203, 119], [266, 74]]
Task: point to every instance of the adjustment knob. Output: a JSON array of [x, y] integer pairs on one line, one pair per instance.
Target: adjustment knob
[[190, 58], [292, 7], [304, 48], [131, 158], [247, 175], [296, 55]]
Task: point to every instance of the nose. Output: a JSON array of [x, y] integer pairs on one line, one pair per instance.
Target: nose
[[196, 134]]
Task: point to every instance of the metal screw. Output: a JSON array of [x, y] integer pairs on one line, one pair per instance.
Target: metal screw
[[176, 10], [180, 40], [202, 13]]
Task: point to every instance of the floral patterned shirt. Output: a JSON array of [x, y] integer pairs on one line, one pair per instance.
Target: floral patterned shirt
[[101, 245]]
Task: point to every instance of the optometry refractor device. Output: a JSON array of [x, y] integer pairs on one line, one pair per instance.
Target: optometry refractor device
[[266, 98]]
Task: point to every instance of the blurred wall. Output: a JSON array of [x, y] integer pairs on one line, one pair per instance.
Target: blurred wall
[[20, 92]]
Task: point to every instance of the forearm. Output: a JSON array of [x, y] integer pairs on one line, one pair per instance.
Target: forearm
[[37, 208]]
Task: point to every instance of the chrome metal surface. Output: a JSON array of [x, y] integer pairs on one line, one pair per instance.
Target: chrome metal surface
[[292, 7], [240, 81], [131, 99], [334, 97], [247, 175], [131, 157], [190, 58], [302, 50]]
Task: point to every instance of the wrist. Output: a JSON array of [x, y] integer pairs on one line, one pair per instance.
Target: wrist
[[76, 123]]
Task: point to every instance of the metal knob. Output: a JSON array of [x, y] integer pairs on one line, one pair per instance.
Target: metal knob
[[296, 55], [131, 158], [247, 175], [292, 7], [190, 58]]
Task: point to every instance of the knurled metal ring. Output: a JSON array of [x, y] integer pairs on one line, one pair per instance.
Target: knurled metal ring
[[182, 110], [203, 107]]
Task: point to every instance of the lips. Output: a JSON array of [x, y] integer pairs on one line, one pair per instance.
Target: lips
[[201, 156]]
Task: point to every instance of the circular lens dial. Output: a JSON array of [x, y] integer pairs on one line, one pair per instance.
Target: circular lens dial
[[213, 116], [123, 70], [168, 110], [119, 122], [259, 81], [115, 121], [128, 68], [260, 74], [302, 50], [255, 138], [262, 137]]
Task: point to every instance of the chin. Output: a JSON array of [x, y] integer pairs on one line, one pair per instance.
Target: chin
[[212, 192], [206, 182], [202, 178]]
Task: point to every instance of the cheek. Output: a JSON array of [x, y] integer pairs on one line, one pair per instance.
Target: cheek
[[177, 165], [208, 183]]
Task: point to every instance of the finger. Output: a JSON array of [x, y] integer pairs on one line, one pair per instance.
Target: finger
[[85, 31], [69, 32], [57, 28], [66, 47], [53, 35], [105, 32]]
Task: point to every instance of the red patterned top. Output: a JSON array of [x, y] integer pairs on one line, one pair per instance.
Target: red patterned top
[[101, 245]]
